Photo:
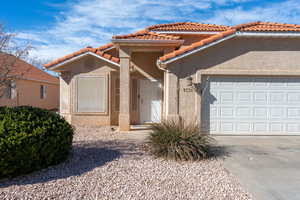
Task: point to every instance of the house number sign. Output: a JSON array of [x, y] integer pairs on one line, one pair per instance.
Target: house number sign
[[189, 89]]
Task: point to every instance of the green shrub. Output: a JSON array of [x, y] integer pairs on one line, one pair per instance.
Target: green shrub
[[179, 141], [31, 139]]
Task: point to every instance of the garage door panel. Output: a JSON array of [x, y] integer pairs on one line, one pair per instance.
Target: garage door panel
[[276, 127], [226, 112], [260, 97], [293, 97], [293, 113], [243, 127], [214, 112], [276, 112], [227, 127], [226, 97], [293, 127], [243, 112], [261, 82], [293, 84], [260, 113], [278, 98], [252, 105], [260, 127], [244, 96]]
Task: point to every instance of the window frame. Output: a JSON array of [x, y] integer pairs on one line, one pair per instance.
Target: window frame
[[75, 97], [43, 91], [10, 91]]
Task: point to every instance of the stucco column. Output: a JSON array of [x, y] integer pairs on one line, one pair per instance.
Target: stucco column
[[171, 96], [65, 105], [124, 115]]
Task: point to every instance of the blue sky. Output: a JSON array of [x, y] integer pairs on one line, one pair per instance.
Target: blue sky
[[59, 27]]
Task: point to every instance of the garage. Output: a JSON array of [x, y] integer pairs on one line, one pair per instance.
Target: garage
[[251, 105]]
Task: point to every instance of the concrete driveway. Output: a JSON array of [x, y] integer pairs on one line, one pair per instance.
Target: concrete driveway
[[268, 167]]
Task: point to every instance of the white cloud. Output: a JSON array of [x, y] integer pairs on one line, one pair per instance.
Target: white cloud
[[93, 22], [284, 12]]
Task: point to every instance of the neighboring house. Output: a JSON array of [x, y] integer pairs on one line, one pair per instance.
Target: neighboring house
[[33, 87], [242, 79]]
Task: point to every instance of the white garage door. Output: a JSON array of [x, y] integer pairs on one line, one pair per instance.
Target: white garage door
[[265, 106]]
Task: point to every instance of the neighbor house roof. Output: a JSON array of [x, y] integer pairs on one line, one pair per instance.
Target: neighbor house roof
[[24, 70], [247, 27], [99, 51], [188, 26], [147, 35]]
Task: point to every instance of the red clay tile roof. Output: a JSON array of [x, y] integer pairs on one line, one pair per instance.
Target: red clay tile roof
[[105, 47], [267, 27], [188, 26], [25, 70], [84, 50], [247, 27], [147, 35]]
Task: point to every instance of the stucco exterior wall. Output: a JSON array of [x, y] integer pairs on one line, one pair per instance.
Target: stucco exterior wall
[[87, 66], [147, 62], [28, 93], [4, 101], [237, 56]]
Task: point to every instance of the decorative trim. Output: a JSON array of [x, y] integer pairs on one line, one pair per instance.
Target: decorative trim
[[37, 80], [78, 57], [268, 34], [147, 41]]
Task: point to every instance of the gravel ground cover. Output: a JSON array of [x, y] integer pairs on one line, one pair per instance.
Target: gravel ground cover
[[102, 166]]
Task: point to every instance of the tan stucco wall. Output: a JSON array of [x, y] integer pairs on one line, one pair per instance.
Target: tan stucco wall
[[114, 119], [4, 101], [147, 62], [237, 56], [84, 67], [28, 93]]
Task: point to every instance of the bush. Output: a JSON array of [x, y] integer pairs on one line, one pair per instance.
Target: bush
[[32, 139], [179, 141]]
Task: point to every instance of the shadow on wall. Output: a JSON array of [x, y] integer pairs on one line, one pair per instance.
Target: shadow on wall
[[85, 157]]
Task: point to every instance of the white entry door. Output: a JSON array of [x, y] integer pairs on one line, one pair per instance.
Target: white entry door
[[252, 105], [150, 101]]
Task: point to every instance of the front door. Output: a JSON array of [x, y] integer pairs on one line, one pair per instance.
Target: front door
[[150, 101]]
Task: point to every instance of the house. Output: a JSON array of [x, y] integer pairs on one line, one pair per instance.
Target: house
[[32, 87], [242, 79]]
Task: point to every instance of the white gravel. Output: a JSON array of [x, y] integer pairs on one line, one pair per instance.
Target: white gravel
[[105, 167]]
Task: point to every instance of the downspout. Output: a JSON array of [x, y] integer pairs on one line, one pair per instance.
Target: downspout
[[164, 89], [162, 67]]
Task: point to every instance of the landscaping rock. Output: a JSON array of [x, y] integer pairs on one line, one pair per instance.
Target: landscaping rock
[[103, 166]]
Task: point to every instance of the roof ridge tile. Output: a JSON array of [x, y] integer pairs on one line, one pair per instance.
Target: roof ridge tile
[[106, 46], [165, 35], [245, 25], [146, 33]]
